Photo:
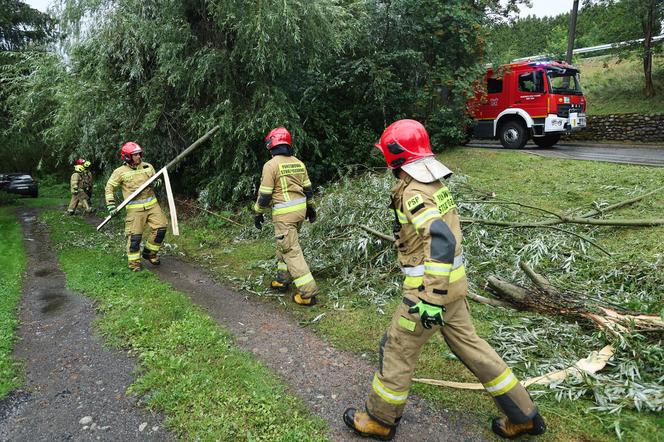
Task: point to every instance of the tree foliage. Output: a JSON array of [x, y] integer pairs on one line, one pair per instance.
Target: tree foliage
[[22, 29], [335, 72], [22, 26], [599, 22]]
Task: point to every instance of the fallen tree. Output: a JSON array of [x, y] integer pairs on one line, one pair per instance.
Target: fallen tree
[[545, 298]]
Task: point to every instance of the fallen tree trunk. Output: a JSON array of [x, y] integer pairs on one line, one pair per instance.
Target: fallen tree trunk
[[546, 298]]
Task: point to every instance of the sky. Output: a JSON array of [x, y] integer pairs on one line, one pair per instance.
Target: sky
[[540, 7], [39, 4], [543, 8]]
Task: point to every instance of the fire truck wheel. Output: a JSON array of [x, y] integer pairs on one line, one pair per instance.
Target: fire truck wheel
[[546, 140], [513, 135]]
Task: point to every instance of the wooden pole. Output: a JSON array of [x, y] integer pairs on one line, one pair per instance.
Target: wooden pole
[[171, 205], [572, 31], [176, 160]]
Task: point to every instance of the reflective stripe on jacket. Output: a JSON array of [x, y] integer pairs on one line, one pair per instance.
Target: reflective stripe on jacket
[[285, 188], [429, 240], [129, 179]]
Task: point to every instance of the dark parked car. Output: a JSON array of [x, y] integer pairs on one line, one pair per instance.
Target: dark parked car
[[22, 185], [6, 178]]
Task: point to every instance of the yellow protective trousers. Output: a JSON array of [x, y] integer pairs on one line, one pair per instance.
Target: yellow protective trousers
[[79, 198], [400, 349], [135, 223], [290, 258]]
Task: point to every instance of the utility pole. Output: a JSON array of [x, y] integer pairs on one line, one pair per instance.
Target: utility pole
[[572, 31]]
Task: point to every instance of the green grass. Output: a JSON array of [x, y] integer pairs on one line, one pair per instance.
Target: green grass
[[357, 326], [189, 366], [12, 266], [559, 185], [614, 86]]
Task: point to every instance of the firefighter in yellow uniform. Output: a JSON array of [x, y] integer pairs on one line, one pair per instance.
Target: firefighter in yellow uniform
[[428, 234], [87, 183], [286, 189], [76, 186], [142, 210]]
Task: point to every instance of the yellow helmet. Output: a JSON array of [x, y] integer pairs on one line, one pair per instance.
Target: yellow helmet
[[79, 168]]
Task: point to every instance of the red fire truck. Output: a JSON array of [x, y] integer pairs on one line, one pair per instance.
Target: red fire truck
[[540, 99]]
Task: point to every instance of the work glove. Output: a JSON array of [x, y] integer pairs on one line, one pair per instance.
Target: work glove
[[111, 209], [311, 214], [156, 184], [259, 219], [430, 314], [74, 192]]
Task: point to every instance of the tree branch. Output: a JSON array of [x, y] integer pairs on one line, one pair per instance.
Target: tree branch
[[375, 232], [210, 212]]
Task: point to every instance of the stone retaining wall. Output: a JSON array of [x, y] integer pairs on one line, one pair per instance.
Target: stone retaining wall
[[622, 127]]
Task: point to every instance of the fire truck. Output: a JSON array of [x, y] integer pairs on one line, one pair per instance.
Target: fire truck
[[538, 99]]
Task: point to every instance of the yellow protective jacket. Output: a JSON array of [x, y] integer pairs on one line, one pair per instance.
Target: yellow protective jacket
[[285, 188], [428, 232], [130, 179], [75, 182], [86, 183]]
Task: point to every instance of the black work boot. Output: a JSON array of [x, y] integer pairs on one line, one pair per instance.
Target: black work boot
[[280, 286], [364, 425], [504, 428], [282, 282], [151, 256], [307, 302]]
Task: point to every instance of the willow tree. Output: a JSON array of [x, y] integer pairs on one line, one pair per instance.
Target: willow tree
[[162, 72], [23, 30], [335, 72]]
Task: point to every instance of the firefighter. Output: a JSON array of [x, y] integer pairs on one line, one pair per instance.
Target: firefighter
[[286, 190], [428, 239], [143, 209], [87, 182], [76, 185]]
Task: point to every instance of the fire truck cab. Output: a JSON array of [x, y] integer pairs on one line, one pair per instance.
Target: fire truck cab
[[529, 99]]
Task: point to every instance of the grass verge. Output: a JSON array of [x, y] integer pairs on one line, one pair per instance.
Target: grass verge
[[353, 324], [12, 266], [189, 367], [615, 86]]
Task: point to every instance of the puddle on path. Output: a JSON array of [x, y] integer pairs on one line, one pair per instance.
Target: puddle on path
[[43, 272], [54, 301]]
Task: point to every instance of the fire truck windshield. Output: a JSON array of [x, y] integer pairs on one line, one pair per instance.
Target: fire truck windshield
[[564, 81]]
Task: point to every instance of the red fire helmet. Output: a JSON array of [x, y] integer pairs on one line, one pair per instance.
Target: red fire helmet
[[129, 149], [277, 136], [403, 142]]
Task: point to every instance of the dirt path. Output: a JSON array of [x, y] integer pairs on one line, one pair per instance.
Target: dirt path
[[328, 380], [75, 388]]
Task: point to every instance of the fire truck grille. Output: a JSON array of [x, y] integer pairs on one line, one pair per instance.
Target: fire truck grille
[[565, 109]]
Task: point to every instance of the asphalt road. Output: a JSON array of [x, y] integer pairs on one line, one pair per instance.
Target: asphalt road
[[649, 155]]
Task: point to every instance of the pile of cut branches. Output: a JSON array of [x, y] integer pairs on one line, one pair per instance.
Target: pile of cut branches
[[351, 245]]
